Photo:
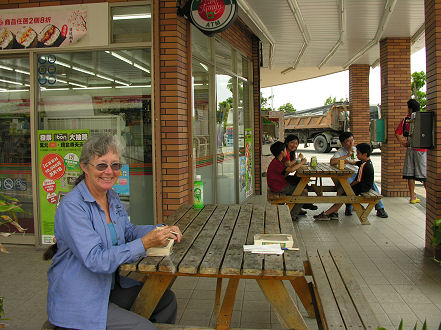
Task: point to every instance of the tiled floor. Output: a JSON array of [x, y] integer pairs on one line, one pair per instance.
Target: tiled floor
[[387, 258]]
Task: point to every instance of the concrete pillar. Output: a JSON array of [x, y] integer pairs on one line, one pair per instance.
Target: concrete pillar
[[433, 74], [359, 102], [395, 92]]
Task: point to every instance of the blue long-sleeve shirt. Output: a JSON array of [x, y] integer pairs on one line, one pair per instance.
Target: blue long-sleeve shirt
[[81, 273]]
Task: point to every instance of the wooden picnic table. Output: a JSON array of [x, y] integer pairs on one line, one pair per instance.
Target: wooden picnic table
[[339, 177], [212, 246]]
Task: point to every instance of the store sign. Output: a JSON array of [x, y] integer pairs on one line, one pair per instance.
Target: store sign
[[42, 28], [213, 16], [58, 154]]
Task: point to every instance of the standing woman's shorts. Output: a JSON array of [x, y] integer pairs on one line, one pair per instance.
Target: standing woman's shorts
[[415, 165]]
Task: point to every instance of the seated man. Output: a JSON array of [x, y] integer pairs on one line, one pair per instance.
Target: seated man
[[347, 153], [277, 173], [362, 183]]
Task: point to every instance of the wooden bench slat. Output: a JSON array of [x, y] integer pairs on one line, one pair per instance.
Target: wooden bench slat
[[341, 296], [327, 302], [361, 304]]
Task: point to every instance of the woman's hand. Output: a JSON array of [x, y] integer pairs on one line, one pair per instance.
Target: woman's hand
[[157, 237], [176, 232]]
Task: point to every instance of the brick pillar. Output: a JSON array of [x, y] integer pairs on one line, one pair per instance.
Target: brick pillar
[[395, 92], [173, 141], [359, 102], [257, 118], [433, 74]]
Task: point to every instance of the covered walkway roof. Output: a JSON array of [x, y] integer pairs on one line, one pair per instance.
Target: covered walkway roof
[[304, 39]]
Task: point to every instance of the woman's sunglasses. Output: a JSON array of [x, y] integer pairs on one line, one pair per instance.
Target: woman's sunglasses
[[103, 166]]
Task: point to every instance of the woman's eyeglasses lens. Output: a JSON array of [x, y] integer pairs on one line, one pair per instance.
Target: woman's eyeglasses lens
[[103, 166]]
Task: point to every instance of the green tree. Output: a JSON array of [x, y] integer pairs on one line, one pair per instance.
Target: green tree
[[417, 83], [287, 108], [330, 100], [264, 103]]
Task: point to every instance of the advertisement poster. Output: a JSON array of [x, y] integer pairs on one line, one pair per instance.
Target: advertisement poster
[[249, 161], [242, 173], [122, 186], [42, 28], [58, 157]]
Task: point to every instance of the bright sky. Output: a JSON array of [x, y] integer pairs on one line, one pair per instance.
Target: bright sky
[[314, 92]]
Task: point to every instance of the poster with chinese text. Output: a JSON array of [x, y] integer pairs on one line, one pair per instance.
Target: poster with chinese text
[[58, 157], [249, 161]]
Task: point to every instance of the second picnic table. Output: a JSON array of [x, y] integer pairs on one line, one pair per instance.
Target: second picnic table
[[338, 176]]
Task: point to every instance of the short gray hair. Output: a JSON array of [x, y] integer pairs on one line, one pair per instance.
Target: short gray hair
[[99, 145]]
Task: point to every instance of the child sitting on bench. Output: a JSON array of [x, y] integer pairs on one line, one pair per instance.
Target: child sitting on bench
[[362, 183], [277, 173]]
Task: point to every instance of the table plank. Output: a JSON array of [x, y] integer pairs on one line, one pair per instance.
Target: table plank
[[211, 262], [293, 259], [273, 264], [178, 214], [253, 262], [193, 258], [151, 264], [232, 263]]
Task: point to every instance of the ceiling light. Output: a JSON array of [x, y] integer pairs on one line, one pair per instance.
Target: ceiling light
[[63, 64], [141, 67], [83, 70], [138, 86], [99, 87], [75, 84], [21, 71], [131, 16], [6, 68], [104, 77], [10, 82], [122, 83], [204, 66], [122, 58], [13, 90], [62, 81]]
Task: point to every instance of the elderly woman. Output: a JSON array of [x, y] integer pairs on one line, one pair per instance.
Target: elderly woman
[[94, 237]]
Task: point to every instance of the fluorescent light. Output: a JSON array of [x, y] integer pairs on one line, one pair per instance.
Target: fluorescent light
[[13, 90], [122, 58], [6, 68], [55, 89], [83, 70], [204, 66], [11, 82], [62, 81], [27, 85], [99, 87], [141, 67], [21, 71], [122, 83], [63, 64], [75, 84], [138, 86], [131, 16], [104, 77]]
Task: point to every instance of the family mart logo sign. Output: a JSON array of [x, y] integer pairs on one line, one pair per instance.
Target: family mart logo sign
[[212, 16]]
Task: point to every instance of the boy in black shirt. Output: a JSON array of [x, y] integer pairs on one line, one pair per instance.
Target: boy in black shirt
[[362, 183]]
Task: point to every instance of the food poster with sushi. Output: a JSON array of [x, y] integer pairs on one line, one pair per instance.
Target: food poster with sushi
[[59, 154], [42, 28]]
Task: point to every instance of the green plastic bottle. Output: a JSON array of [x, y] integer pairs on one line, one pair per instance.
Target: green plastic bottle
[[198, 191]]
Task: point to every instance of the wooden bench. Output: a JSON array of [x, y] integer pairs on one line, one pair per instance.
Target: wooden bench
[[339, 299], [371, 198]]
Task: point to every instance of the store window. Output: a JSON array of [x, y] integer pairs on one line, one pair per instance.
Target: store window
[[15, 147], [131, 23], [103, 92]]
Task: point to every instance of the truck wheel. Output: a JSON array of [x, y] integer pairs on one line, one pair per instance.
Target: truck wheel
[[321, 144]]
